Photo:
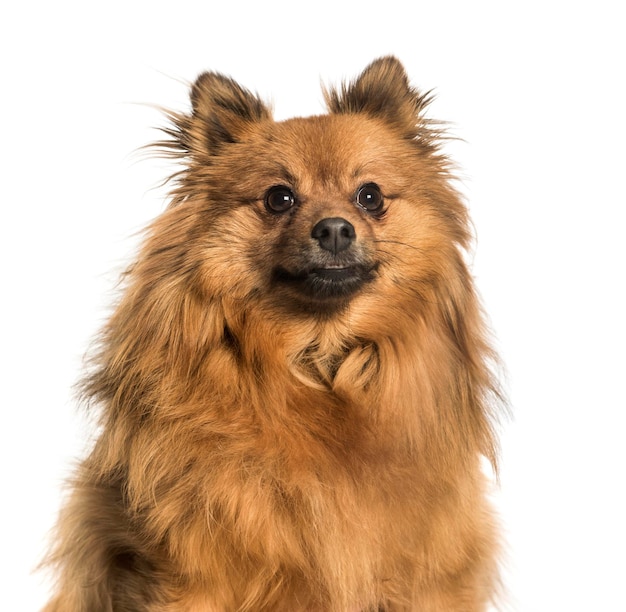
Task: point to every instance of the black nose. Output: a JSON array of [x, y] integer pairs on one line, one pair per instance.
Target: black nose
[[334, 234]]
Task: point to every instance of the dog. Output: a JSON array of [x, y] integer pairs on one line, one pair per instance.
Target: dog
[[295, 392]]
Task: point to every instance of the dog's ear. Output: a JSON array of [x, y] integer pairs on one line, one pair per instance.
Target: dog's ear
[[224, 109], [381, 90]]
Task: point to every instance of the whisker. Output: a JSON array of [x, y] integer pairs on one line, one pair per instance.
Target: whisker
[[398, 242]]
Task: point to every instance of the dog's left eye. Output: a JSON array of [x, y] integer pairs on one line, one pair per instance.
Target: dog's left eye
[[279, 199], [370, 198]]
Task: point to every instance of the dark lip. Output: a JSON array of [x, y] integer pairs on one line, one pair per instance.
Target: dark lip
[[335, 273], [327, 282]]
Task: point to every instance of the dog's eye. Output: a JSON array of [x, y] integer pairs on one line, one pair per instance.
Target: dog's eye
[[279, 199], [370, 198]]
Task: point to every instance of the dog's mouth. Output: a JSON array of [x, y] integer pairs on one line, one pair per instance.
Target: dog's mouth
[[335, 273], [327, 282]]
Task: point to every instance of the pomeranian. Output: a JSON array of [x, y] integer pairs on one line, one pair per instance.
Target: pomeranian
[[295, 390]]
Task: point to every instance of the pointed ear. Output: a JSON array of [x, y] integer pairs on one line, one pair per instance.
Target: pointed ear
[[224, 108], [382, 90]]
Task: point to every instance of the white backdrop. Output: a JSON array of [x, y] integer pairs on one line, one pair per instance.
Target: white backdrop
[[534, 89]]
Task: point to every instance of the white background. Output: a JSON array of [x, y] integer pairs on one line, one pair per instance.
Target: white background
[[535, 90]]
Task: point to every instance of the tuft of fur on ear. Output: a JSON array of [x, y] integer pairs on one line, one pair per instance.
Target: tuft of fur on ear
[[382, 90], [224, 108]]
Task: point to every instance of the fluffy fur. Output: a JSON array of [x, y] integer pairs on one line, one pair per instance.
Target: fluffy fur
[[292, 415]]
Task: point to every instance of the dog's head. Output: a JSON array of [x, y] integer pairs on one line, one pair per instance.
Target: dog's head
[[313, 214]]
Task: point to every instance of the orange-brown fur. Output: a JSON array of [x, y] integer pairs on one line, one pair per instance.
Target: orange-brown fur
[[265, 448]]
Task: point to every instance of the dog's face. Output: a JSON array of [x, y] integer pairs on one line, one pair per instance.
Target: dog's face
[[323, 212], [318, 213]]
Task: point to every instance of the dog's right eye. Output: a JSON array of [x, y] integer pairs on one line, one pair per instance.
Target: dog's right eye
[[279, 199]]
